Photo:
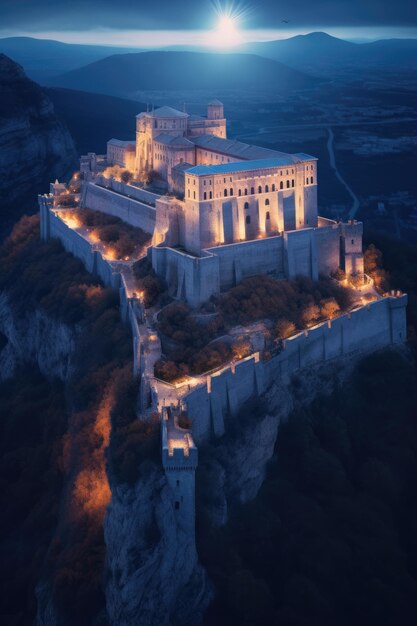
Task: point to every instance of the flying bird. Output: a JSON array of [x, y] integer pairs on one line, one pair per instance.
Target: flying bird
[[285, 21]]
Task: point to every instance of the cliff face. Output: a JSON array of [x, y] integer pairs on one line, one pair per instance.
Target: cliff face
[[233, 468], [35, 146], [154, 577], [34, 338]]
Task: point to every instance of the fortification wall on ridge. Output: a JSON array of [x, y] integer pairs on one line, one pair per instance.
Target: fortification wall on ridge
[[127, 209], [367, 328], [53, 226]]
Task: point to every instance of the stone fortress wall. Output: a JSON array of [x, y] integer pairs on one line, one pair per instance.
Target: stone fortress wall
[[213, 396], [376, 325], [131, 204]]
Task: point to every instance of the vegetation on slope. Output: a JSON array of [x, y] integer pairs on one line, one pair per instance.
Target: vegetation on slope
[[55, 439], [121, 239], [288, 306], [331, 537]]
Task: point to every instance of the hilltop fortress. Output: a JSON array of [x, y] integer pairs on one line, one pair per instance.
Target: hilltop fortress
[[218, 211], [233, 210]]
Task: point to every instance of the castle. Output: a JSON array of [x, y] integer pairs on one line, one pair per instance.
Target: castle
[[230, 210], [234, 210]]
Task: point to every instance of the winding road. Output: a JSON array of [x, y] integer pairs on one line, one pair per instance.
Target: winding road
[[332, 158]]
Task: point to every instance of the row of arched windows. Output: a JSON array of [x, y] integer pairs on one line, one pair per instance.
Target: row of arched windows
[[289, 183]]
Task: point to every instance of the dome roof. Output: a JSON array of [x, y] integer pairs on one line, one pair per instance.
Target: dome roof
[[215, 103]]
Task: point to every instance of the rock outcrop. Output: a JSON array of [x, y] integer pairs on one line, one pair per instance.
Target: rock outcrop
[[154, 577], [34, 338], [35, 146]]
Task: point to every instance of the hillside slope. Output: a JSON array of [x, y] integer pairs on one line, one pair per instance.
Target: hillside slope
[[124, 75], [93, 119]]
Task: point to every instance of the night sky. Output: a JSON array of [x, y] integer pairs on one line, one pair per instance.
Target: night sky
[[63, 16]]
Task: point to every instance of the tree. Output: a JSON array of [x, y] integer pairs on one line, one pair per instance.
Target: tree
[[310, 314], [126, 176], [284, 328], [329, 308]]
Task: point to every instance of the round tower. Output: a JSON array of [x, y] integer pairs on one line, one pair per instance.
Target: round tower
[[215, 110]]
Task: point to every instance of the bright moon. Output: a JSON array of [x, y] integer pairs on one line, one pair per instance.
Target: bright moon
[[226, 33]]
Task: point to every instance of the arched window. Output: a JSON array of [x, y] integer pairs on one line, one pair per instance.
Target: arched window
[[231, 191], [240, 192], [273, 187], [205, 195], [252, 190], [267, 202], [259, 189], [211, 195], [225, 192], [311, 180], [267, 215], [194, 194], [288, 184], [246, 205], [266, 188], [281, 185], [246, 192], [247, 220], [292, 182]]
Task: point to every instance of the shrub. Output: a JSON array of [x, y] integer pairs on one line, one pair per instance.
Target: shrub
[[284, 328]]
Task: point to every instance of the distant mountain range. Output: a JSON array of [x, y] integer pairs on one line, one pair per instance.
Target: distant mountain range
[[44, 58], [319, 54], [125, 75], [322, 52]]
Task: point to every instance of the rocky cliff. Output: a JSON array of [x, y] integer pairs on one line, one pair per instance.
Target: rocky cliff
[[34, 338], [35, 146], [154, 577]]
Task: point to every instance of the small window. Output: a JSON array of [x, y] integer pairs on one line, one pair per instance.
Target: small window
[[252, 190], [259, 189], [292, 183], [311, 180], [240, 192], [247, 219], [231, 191], [267, 202], [246, 205], [194, 194], [281, 185], [268, 215], [225, 192], [211, 195], [205, 195], [246, 192], [266, 189], [273, 187], [288, 184], [353, 241]]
